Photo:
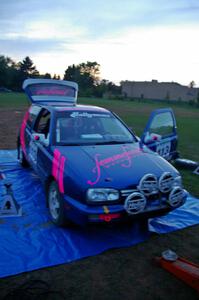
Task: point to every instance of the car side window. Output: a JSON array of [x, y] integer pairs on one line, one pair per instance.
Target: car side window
[[32, 114], [43, 123], [162, 124]]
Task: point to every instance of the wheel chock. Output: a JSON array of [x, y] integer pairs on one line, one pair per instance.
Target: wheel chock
[[180, 267]]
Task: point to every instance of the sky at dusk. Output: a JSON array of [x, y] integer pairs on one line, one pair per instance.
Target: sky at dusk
[[131, 40]]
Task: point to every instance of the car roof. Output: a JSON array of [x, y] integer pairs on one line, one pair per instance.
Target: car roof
[[59, 107]]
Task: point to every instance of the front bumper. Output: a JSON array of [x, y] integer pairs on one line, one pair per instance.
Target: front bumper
[[82, 214]]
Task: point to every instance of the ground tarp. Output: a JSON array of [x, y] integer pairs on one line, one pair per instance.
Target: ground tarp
[[31, 241]]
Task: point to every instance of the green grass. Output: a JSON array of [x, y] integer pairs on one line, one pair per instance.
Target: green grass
[[136, 114], [13, 100]]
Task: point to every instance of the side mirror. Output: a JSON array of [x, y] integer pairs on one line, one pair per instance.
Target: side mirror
[[40, 137], [152, 137], [138, 138]]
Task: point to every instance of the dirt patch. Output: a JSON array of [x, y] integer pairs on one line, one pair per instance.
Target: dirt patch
[[10, 121], [127, 273]]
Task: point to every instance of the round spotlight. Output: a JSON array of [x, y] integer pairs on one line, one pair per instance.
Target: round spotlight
[[176, 197], [135, 203], [148, 185], [166, 182]]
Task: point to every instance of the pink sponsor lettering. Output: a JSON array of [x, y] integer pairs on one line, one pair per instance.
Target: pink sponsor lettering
[[124, 159], [51, 92]]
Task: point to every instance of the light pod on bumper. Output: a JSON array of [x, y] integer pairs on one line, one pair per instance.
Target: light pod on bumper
[[135, 203], [176, 197], [148, 185], [166, 182]]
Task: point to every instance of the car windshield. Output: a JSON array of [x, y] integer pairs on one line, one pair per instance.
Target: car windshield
[[90, 128]]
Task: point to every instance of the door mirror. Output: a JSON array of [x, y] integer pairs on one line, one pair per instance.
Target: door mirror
[[151, 137], [40, 138]]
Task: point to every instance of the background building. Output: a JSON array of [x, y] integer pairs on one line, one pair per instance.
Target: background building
[[159, 90]]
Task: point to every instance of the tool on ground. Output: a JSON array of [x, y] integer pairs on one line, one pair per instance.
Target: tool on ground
[[180, 267], [187, 164]]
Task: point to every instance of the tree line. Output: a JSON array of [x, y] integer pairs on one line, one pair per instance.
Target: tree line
[[87, 75]]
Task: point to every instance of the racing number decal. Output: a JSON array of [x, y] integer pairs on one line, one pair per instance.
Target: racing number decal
[[33, 151], [163, 149]]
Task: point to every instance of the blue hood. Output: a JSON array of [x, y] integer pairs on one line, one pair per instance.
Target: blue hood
[[117, 166]]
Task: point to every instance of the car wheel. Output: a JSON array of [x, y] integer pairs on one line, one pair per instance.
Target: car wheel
[[23, 161], [56, 205]]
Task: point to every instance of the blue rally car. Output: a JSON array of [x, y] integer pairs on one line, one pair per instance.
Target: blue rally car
[[94, 169]]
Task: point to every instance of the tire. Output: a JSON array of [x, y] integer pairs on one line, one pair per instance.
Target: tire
[[22, 160], [55, 203]]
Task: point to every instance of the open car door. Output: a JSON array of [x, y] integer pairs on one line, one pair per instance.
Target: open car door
[[160, 133], [50, 90]]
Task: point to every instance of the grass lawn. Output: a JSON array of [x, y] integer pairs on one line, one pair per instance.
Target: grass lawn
[[136, 114]]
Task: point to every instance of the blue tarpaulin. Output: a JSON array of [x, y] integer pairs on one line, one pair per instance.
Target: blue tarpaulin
[[31, 241]]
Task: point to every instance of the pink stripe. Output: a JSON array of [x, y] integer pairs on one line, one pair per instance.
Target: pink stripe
[[55, 166], [61, 175], [22, 132]]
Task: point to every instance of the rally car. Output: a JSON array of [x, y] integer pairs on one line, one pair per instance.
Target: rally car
[[94, 169]]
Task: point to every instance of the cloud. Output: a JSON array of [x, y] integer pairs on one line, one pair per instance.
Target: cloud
[[131, 39], [25, 47], [96, 18]]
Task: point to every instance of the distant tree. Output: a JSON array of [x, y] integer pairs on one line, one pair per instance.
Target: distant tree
[[5, 64], [47, 76], [192, 84], [91, 69], [9, 73], [57, 77], [72, 73], [107, 88], [86, 75], [27, 68]]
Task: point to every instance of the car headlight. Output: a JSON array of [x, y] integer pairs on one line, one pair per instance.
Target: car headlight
[[101, 195], [178, 181]]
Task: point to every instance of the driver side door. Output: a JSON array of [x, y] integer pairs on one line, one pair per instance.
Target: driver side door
[[160, 133], [39, 144]]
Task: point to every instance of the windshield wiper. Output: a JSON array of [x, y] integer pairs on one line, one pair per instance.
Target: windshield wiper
[[96, 143], [113, 142], [70, 144]]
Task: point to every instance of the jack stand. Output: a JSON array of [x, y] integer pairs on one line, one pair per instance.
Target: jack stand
[[180, 267], [9, 206]]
